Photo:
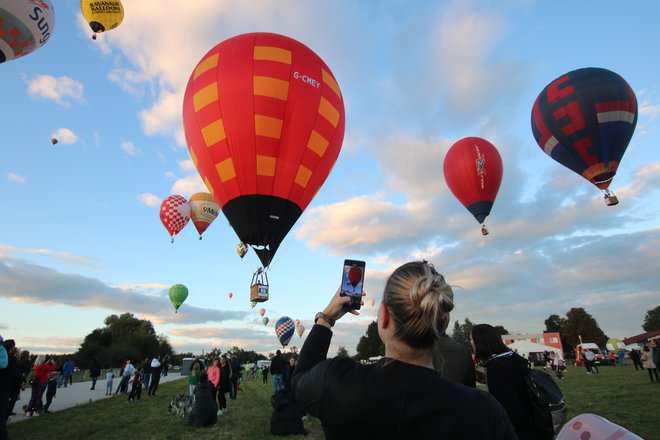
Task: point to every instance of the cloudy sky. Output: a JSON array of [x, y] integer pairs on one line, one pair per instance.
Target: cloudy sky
[[80, 235]]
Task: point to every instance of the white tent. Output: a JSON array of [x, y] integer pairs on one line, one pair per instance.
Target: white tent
[[524, 348]]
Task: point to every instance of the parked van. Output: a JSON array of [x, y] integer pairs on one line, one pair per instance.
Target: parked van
[[602, 356]]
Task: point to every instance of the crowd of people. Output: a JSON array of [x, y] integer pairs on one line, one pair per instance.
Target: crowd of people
[[424, 385]]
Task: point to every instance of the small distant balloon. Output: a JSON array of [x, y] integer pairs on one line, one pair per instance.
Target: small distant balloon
[[230, 295], [354, 276], [241, 249], [252, 304], [262, 311], [265, 320], [102, 17], [284, 329], [297, 322], [301, 330], [53, 141], [178, 294], [372, 302], [175, 214]]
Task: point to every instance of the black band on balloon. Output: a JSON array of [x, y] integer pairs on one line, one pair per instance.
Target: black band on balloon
[[480, 210], [262, 221]]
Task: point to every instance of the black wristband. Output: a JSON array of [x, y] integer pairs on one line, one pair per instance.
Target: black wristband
[[330, 320]]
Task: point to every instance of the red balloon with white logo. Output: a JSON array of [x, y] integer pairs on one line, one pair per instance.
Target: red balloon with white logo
[[175, 214], [473, 172]]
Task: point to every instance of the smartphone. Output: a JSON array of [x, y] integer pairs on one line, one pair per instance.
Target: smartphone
[[352, 280]]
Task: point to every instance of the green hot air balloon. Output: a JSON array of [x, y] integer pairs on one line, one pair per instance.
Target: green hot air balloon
[[178, 294], [265, 320]]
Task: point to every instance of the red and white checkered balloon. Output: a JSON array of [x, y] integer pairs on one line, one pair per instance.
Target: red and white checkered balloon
[[175, 214]]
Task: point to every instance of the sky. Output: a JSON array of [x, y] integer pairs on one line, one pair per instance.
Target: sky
[[80, 233]]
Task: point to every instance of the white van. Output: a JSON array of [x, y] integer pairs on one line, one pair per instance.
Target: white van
[[262, 364]]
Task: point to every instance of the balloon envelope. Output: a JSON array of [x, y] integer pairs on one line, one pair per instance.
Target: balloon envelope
[[297, 322], [252, 304], [203, 210], [241, 249], [174, 213], [265, 320], [590, 426], [102, 16], [25, 26], [262, 311], [178, 294], [230, 295], [584, 120], [301, 330], [473, 172], [284, 329], [354, 275], [264, 123]]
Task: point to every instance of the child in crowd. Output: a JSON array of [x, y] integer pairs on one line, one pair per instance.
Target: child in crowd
[[560, 369], [108, 382], [51, 390], [136, 389]]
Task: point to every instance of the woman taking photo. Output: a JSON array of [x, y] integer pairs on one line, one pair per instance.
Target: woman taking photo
[[401, 396], [505, 376]]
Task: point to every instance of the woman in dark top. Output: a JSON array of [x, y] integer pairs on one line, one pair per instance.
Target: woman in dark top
[[401, 396], [505, 376]]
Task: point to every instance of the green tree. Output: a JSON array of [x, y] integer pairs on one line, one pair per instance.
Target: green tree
[[501, 330], [342, 352], [244, 356], [652, 320], [463, 331], [370, 344], [123, 337], [580, 323]]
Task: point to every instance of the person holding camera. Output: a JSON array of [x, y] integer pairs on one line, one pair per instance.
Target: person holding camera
[[401, 395]]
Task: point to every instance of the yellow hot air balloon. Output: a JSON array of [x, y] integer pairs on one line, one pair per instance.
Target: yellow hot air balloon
[[203, 210], [103, 15]]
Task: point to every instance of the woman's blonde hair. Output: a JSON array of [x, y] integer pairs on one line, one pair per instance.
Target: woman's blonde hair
[[419, 300], [40, 359]]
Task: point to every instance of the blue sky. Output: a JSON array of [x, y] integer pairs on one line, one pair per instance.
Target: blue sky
[[80, 234]]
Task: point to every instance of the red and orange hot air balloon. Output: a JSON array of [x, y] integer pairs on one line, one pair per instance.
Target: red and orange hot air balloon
[[262, 311], [473, 172], [264, 122], [354, 276]]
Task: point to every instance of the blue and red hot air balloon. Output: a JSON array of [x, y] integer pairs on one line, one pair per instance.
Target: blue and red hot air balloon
[[584, 120], [473, 172], [284, 329]]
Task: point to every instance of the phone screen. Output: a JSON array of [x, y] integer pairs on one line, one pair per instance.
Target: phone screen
[[352, 281]]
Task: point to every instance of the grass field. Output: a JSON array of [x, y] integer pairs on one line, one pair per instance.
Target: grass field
[[620, 394]]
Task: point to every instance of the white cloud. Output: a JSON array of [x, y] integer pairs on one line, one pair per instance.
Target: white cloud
[[16, 178], [65, 136], [649, 109], [150, 199], [60, 90], [189, 185], [129, 148]]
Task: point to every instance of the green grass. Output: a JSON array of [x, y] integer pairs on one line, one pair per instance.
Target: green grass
[[620, 394]]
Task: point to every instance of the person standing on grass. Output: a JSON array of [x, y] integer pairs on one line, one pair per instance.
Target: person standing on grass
[[264, 374], [647, 362], [193, 380], [94, 371], [136, 386], [277, 366], [236, 376], [8, 376], [129, 369], [635, 357], [146, 373], [655, 351], [155, 376], [225, 384], [51, 390], [214, 377], [42, 369], [67, 373], [204, 410]]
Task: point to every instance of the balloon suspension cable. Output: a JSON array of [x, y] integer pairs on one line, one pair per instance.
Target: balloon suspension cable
[[484, 230], [610, 198], [200, 237], [172, 240]]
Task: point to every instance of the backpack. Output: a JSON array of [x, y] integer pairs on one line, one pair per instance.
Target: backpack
[[547, 404], [286, 418]]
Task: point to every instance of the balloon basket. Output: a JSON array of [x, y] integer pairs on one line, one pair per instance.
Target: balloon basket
[[259, 287], [484, 230], [610, 198]]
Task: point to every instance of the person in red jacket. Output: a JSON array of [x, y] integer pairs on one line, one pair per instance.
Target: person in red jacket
[[42, 370]]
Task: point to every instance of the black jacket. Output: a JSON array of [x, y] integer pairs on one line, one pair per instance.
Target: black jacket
[[390, 399], [454, 361], [205, 410], [505, 375], [95, 368], [277, 365]]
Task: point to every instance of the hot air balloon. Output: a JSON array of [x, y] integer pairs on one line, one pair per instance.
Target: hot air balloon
[[473, 172], [265, 320], [174, 213], [230, 295], [297, 322], [203, 210], [102, 16], [53, 141], [372, 302], [284, 328], [241, 249], [252, 304], [262, 311], [178, 294], [264, 123], [301, 330], [584, 120], [354, 276], [25, 26]]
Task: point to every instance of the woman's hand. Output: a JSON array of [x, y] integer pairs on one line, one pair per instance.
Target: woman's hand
[[338, 306]]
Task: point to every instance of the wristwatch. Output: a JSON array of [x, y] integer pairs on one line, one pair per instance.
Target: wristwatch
[[329, 319]]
